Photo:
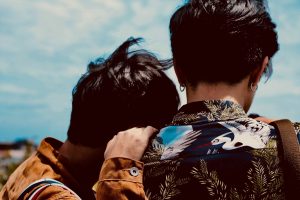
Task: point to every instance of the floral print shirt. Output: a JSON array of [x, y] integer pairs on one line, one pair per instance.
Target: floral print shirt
[[213, 150]]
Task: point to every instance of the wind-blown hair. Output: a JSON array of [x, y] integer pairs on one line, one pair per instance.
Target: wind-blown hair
[[128, 89], [222, 40]]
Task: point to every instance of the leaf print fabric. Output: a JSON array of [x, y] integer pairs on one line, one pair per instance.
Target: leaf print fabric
[[212, 150]]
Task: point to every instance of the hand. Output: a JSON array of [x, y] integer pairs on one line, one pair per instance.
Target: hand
[[130, 143]]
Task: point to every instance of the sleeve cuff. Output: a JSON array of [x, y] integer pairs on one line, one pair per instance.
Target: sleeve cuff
[[122, 169]]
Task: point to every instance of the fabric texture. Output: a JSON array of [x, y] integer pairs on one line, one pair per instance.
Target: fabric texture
[[118, 182], [37, 187], [44, 164], [117, 179], [213, 150]]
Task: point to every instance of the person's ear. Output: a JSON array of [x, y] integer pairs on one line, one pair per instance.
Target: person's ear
[[257, 74], [179, 74]]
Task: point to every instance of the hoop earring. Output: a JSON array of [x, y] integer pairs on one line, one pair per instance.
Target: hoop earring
[[253, 88], [181, 88]]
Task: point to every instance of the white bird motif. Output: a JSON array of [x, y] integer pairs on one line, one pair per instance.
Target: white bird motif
[[253, 135], [180, 144]]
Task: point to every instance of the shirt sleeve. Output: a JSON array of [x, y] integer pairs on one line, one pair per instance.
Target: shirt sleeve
[[53, 193], [121, 178]]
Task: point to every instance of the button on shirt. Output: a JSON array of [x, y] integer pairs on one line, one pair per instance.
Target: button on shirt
[[134, 171]]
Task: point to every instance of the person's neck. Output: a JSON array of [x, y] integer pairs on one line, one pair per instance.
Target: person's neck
[[84, 163], [220, 91]]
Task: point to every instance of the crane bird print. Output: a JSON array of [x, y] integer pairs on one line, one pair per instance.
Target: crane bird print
[[243, 133], [182, 138]]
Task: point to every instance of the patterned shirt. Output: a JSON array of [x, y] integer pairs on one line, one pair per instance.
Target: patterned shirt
[[213, 150]]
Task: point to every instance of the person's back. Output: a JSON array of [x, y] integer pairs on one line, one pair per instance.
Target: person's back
[[214, 154], [213, 150]]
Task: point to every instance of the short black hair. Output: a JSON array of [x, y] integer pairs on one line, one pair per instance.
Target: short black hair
[[222, 40], [128, 89]]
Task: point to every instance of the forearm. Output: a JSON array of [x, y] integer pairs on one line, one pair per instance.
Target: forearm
[[121, 178]]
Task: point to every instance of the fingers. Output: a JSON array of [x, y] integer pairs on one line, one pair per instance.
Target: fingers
[[109, 146], [130, 143], [149, 131], [146, 132]]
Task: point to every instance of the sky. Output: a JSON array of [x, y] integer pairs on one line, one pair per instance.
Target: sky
[[46, 45]]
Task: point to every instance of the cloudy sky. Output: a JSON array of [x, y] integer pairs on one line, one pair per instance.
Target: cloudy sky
[[46, 45]]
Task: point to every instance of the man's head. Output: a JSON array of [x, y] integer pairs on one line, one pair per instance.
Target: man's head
[[221, 41], [129, 89]]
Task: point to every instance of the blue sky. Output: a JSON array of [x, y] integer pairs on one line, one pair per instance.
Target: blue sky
[[46, 45]]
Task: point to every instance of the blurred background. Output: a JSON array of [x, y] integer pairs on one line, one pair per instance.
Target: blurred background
[[45, 46]]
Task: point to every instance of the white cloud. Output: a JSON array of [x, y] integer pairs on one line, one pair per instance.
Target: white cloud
[[49, 26], [279, 88], [15, 89], [286, 16], [289, 27], [45, 46]]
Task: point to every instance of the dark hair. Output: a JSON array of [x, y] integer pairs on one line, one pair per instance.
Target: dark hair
[[222, 41], [129, 89]]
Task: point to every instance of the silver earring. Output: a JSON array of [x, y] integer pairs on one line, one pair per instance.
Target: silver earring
[[253, 88], [181, 88]]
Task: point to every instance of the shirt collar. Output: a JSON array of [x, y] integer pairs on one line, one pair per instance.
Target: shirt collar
[[208, 110], [49, 148]]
